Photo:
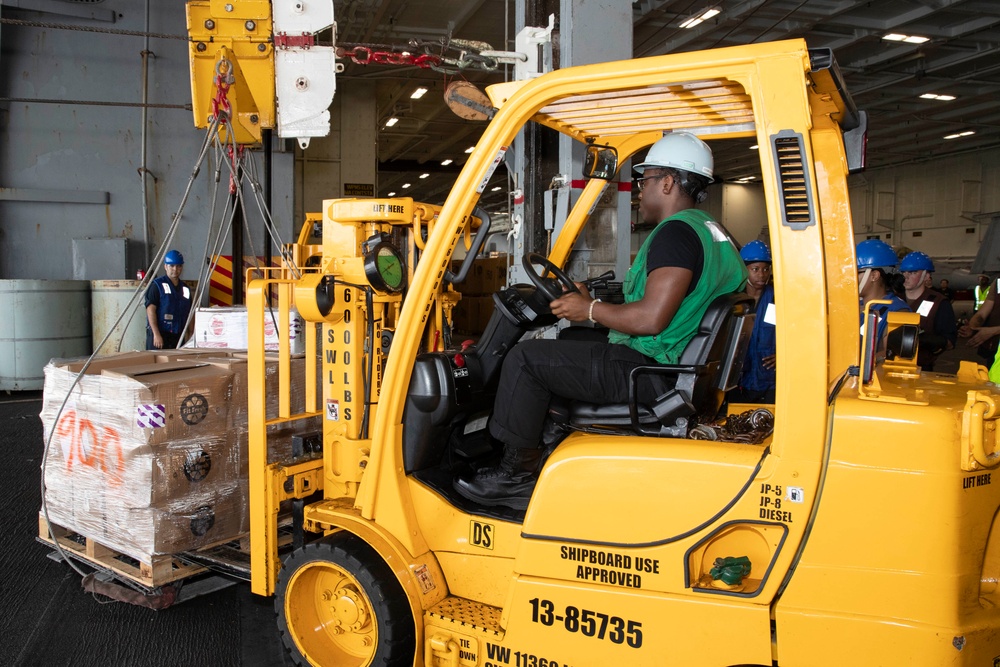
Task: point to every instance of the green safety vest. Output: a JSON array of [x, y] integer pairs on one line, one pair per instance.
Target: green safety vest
[[722, 272], [982, 293]]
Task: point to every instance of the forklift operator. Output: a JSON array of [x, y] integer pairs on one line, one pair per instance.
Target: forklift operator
[[686, 262]]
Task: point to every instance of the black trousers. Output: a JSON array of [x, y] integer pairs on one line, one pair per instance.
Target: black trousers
[[537, 370], [169, 340]]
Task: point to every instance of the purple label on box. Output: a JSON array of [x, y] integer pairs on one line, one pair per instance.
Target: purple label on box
[[151, 416]]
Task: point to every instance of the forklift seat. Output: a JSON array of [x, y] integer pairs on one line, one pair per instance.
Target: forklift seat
[[695, 386]]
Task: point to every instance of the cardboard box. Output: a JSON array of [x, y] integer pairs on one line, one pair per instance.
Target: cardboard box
[[227, 328], [192, 522], [111, 361], [172, 527], [174, 401], [484, 311], [297, 390], [143, 475], [279, 435], [185, 354], [114, 390], [461, 316], [487, 275], [494, 273]]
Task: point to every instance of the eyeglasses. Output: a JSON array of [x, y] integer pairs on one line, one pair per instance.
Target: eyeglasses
[[640, 183]]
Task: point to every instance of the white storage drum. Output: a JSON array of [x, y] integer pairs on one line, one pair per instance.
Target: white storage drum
[[108, 299], [41, 320]]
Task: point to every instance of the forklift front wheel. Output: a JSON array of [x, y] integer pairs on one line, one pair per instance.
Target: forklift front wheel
[[338, 603]]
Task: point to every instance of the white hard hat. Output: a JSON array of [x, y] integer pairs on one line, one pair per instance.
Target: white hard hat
[[680, 150]]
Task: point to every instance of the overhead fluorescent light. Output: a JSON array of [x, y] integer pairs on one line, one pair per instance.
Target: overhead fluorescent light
[[470, 149], [392, 121], [391, 194], [445, 163], [405, 185], [418, 93], [701, 17], [495, 189], [424, 175], [966, 133], [935, 96], [909, 39], [754, 147]]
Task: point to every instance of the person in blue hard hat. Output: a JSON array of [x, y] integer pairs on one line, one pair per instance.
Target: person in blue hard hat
[[757, 379], [876, 263], [938, 329], [168, 303]]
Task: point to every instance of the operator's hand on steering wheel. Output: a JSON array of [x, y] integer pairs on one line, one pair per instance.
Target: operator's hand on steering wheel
[[574, 306]]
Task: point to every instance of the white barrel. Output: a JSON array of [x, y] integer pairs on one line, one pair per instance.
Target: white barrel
[[108, 299], [40, 320]]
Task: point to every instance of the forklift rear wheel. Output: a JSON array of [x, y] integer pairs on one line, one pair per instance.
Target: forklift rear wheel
[[338, 603]]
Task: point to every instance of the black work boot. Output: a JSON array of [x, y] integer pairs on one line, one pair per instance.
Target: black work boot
[[510, 484]]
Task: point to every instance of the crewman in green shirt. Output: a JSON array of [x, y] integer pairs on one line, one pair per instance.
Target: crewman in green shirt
[[682, 266]]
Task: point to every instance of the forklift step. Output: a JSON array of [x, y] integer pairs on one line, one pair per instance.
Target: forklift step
[[467, 612]]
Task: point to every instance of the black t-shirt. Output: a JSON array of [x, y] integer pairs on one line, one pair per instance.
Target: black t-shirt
[[677, 244]]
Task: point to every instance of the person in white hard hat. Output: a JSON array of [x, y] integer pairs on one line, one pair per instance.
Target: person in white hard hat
[[684, 264]]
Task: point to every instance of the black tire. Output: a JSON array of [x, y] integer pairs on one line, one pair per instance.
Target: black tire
[[365, 590]]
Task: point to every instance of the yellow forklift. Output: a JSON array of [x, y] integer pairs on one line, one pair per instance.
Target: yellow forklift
[[858, 528]]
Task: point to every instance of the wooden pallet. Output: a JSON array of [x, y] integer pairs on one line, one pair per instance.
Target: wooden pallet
[[161, 570], [230, 557]]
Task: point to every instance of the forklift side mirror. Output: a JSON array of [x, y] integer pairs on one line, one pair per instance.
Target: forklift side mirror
[[856, 145], [869, 346], [601, 162]]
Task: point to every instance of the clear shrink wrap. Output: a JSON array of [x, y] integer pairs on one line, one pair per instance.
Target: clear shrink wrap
[[149, 455]]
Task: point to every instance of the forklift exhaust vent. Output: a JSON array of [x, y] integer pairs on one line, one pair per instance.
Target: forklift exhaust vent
[[793, 181]]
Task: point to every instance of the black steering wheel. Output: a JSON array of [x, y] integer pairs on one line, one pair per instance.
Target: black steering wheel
[[547, 286]]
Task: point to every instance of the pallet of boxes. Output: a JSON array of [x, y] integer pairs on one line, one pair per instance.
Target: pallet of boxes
[[148, 457], [487, 275]]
